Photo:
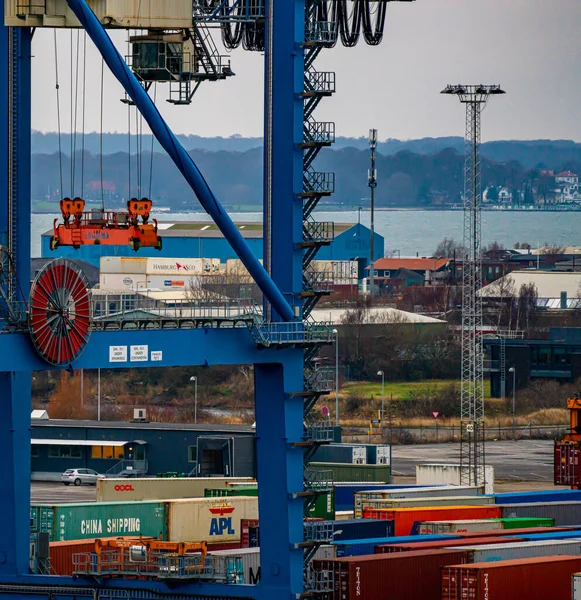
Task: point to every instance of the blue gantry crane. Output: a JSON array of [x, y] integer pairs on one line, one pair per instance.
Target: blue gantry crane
[[51, 325]]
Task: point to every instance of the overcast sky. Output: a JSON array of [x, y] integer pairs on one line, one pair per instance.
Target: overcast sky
[[531, 47]]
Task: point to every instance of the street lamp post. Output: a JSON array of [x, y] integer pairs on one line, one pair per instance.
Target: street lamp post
[[195, 380], [382, 374], [372, 183], [513, 371], [336, 334]]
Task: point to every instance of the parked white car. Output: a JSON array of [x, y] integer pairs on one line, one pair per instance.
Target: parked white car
[[80, 477]]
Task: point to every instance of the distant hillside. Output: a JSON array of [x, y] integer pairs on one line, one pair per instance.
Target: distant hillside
[[552, 154]]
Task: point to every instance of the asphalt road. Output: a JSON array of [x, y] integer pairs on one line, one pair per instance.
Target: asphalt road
[[523, 460], [44, 492]]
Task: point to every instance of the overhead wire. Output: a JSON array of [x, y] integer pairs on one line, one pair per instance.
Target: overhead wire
[[58, 112], [84, 112], [101, 136], [75, 116], [151, 153]]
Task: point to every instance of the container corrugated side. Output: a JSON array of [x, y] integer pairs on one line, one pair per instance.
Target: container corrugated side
[[550, 535], [159, 488], [368, 546], [407, 519], [434, 545], [402, 576], [431, 502], [345, 491], [104, 519], [427, 527], [523, 549], [546, 578], [576, 587], [357, 529], [209, 519], [435, 473], [539, 496], [348, 472], [523, 522], [519, 532], [564, 513]]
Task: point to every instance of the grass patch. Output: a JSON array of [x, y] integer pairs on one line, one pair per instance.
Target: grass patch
[[402, 390]]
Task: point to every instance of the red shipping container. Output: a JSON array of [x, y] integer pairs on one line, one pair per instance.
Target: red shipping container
[[546, 578], [567, 463], [398, 576], [517, 532], [61, 553], [224, 546], [405, 518], [437, 544], [245, 526]]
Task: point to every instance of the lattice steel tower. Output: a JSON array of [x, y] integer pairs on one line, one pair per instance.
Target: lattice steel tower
[[472, 447]]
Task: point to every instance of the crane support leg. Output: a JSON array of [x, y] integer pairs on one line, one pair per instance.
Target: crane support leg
[[180, 157], [279, 422], [15, 390]]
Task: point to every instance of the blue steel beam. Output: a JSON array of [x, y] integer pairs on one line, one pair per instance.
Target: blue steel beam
[[180, 157], [178, 347]]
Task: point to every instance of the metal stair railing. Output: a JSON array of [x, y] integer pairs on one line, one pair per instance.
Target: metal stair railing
[[128, 466]]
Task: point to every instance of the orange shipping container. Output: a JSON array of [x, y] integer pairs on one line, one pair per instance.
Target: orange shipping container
[[406, 519], [61, 553]]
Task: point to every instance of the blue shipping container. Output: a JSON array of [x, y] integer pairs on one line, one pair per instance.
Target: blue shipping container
[[361, 547], [359, 529], [344, 492], [557, 535], [539, 496]]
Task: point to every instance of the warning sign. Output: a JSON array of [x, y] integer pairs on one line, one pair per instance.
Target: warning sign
[[139, 354], [117, 354]]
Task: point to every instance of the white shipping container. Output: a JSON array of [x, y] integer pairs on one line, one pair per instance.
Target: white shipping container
[[123, 282], [468, 525], [160, 488], [343, 515], [362, 498], [246, 561], [519, 550], [159, 266], [214, 520], [576, 587], [420, 502], [129, 265], [433, 474]]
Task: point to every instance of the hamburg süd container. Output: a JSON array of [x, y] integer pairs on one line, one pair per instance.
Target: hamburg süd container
[[436, 544], [209, 519], [399, 576], [546, 578], [407, 519], [160, 488], [564, 513], [88, 520]]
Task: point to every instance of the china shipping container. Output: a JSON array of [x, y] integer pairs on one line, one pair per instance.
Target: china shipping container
[[409, 575], [523, 549], [88, 520], [209, 519], [345, 491], [567, 464], [564, 513], [407, 519], [61, 553], [546, 578], [160, 488], [345, 472], [539, 496], [438, 544], [367, 546]]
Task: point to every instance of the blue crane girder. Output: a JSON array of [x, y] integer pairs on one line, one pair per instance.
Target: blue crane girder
[[180, 157]]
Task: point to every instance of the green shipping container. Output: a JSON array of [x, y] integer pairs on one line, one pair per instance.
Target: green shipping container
[[354, 473], [518, 522], [223, 492], [324, 507], [64, 522]]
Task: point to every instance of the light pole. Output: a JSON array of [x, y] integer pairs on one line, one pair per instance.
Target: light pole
[[359, 217], [513, 371], [195, 380], [382, 374], [372, 183], [336, 334], [98, 394]]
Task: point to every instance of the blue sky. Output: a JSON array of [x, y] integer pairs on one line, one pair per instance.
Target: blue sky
[[531, 47]]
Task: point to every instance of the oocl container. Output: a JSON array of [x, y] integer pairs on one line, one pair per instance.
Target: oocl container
[[157, 488], [209, 519], [407, 519], [436, 544], [103, 519], [546, 578], [402, 576]]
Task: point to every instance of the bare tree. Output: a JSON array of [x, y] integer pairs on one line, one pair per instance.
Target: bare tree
[[527, 305], [449, 247], [502, 294]]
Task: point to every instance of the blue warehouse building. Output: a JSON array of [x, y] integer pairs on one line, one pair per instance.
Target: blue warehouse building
[[204, 240]]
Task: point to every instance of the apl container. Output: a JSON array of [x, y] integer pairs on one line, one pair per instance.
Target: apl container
[[156, 488], [401, 576], [407, 520], [368, 546], [446, 543], [209, 519], [564, 513], [546, 578], [88, 520]]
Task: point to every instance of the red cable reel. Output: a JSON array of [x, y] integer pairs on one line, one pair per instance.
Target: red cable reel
[[60, 312]]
